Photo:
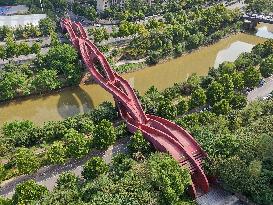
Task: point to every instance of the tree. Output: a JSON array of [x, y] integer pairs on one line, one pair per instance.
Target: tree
[[46, 26], [28, 192], [2, 172], [13, 83], [238, 101], [104, 135], [11, 47], [195, 40], [22, 49], [168, 177], [215, 92], [151, 100], [179, 49], [227, 83], [99, 34], [68, 181], [20, 133], [182, 107], [139, 144], [5, 201], [238, 81], [26, 161], [266, 67], [76, 144], [46, 80], [2, 53], [221, 107], [56, 153], [251, 77], [35, 48], [198, 98], [167, 110], [94, 168], [153, 57], [63, 58]]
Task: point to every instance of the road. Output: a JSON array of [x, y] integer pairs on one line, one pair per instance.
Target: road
[[263, 91], [48, 176]]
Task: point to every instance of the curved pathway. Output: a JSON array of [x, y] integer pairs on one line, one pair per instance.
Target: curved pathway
[[48, 176]]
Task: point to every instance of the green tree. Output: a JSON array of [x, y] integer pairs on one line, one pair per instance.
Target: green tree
[[153, 57], [68, 181], [2, 172], [182, 106], [11, 47], [227, 83], [5, 201], [168, 177], [238, 81], [22, 49], [63, 58], [221, 107], [46, 80], [35, 48], [94, 168], [56, 153], [139, 144], [215, 92], [198, 98], [104, 135], [266, 67], [28, 192], [252, 77], [26, 161], [99, 34], [20, 133], [46, 26], [238, 101], [76, 144], [13, 83], [167, 110], [2, 53]]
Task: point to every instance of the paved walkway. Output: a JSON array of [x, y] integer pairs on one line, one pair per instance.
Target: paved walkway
[[123, 62], [48, 176], [218, 196], [263, 91]]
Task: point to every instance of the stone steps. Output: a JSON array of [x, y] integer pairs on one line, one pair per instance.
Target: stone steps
[[218, 196]]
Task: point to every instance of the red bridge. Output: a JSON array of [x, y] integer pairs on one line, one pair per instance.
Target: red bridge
[[163, 134]]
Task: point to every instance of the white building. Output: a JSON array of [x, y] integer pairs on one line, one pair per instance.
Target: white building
[[104, 4]]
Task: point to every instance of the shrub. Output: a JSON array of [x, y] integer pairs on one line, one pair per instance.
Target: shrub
[[104, 135], [28, 192], [26, 161], [94, 167]]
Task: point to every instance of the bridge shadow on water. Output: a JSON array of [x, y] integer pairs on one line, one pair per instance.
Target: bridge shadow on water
[[74, 101]]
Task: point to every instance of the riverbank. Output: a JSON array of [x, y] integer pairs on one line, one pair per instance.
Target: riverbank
[[81, 99]]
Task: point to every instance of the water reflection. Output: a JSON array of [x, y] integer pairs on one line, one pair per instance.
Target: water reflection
[[264, 32], [232, 52], [74, 102]]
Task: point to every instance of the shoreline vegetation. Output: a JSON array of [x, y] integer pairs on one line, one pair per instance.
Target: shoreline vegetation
[[131, 68], [153, 40]]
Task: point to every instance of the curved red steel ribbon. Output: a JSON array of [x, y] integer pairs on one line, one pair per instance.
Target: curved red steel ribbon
[[163, 134]]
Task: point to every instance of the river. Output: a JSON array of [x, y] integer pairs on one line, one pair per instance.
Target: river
[[83, 98]]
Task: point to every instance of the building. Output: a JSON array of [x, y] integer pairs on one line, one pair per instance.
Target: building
[[104, 4]]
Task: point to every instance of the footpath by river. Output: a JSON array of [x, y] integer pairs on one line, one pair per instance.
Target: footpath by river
[[83, 98]]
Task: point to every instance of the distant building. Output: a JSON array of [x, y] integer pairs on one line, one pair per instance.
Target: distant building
[[104, 4]]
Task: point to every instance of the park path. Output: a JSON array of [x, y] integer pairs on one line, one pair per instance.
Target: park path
[[48, 176], [261, 92]]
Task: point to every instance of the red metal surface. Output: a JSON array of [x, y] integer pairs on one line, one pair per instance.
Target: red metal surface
[[163, 134]]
